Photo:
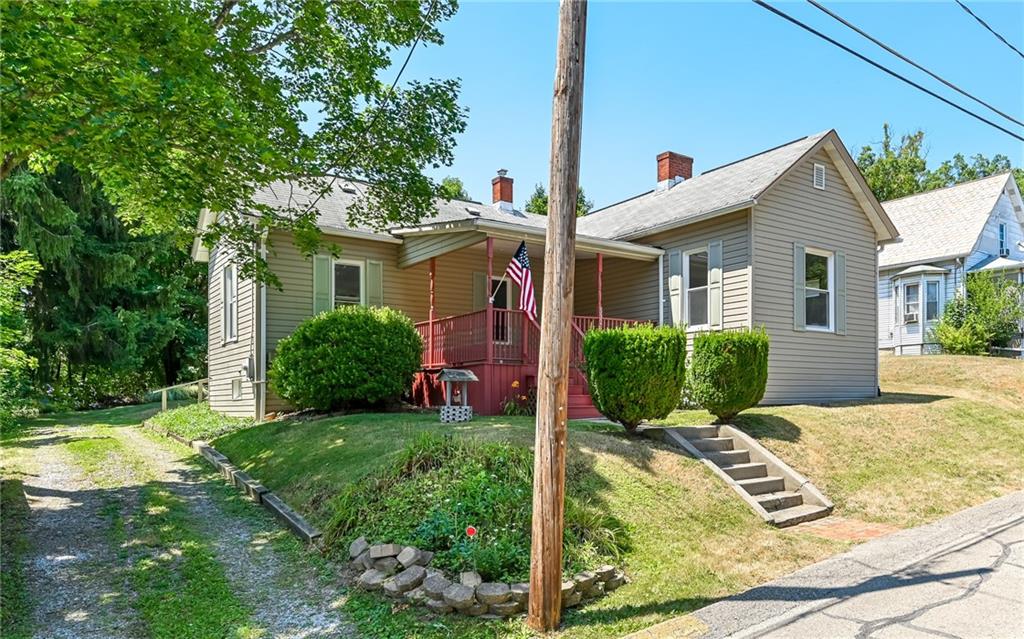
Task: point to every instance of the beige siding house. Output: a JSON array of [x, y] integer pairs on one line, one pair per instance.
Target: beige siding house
[[786, 239]]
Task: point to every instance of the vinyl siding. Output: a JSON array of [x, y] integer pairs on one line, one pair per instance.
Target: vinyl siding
[[915, 338], [809, 366], [225, 359], [631, 287], [988, 241]]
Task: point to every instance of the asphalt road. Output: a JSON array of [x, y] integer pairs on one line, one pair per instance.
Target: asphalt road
[[962, 576]]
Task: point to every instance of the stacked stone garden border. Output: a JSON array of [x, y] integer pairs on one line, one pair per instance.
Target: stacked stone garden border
[[404, 572], [253, 489]]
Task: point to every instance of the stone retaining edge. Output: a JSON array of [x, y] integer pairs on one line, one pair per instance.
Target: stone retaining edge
[[252, 488]]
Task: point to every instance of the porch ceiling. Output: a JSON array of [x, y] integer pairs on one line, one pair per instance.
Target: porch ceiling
[[424, 242]]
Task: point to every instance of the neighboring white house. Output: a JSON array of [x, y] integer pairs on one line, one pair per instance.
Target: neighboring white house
[[976, 226]]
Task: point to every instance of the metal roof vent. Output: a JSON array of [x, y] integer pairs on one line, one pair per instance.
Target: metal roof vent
[[348, 188], [473, 212], [819, 176]]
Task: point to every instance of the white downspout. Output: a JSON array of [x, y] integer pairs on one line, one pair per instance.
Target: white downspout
[[661, 289], [261, 409]]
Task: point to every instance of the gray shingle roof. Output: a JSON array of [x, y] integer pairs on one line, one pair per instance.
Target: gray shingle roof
[[715, 190], [333, 207], [942, 223]]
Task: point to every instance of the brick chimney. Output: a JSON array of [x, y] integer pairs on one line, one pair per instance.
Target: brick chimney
[[501, 190], [673, 168]]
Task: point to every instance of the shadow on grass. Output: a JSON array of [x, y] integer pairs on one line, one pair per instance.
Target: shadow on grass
[[604, 616]]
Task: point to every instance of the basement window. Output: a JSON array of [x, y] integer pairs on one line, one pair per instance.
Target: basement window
[[236, 389]]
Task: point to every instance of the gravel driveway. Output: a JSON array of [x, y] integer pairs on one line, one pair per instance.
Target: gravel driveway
[[77, 571]]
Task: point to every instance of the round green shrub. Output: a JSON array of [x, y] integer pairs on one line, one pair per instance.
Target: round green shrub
[[728, 371], [635, 373], [347, 358]]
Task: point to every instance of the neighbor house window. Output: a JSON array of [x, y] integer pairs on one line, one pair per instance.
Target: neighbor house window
[[230, 303], [348, 283], [911, 303], [695, 282], [931, 301], [1002, 239], [818, 288]]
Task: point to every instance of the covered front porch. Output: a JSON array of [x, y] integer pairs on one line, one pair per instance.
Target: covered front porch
[[474, 323]]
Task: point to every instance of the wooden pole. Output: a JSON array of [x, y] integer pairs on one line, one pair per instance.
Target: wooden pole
[[556, 322]]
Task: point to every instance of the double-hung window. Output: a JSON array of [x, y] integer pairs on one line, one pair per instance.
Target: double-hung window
[[911, 303], [931, 300], [229, 294], [1003, 251], [348, 282], [695, 284], [819, 285]]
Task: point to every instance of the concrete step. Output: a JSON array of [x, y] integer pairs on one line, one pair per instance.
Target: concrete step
[[779, 501], [746, 471], [698, 432], [728, 457], [712, 443], [799, 514], [762, 485]]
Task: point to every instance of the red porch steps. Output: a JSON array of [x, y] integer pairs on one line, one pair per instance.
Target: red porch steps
[[580, 404]]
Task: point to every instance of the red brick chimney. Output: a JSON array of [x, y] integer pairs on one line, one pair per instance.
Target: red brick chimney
[[501, 190], [673, 168]]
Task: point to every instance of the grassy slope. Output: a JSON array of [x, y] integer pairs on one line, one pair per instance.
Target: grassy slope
[[686, 527], [947, 433], [197, 421]]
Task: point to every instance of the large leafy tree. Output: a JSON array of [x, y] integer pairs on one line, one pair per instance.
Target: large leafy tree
[[17, 272], [452, 188], [538, 202], [181, 105], [113, 310], [895, 169]]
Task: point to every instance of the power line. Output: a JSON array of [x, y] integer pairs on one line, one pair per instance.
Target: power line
[[991, 30], [886, 69], [899, 55], [373, 120]]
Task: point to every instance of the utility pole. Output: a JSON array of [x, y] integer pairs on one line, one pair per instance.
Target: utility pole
[[556, 321]]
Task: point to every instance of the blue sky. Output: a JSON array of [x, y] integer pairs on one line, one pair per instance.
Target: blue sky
[[717, 81]]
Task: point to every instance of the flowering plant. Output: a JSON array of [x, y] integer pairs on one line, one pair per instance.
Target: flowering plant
[[519, 403]]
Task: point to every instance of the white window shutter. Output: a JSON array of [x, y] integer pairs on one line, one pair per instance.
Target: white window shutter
[[374, 283], [715, 284], [480, 292], [322, 273], [675, 286], [840, 293], [799, 292]]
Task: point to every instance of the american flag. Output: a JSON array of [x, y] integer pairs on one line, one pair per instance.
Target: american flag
[[519, 272]]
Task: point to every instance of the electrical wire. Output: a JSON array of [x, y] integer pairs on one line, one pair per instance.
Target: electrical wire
[[885, 69], [990, 29], [899, 55]]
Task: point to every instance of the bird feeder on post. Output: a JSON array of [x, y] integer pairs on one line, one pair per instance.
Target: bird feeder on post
[[461, 412]]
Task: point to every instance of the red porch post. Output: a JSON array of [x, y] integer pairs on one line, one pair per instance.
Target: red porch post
[[430, 316], [489, 335], [600, 282]]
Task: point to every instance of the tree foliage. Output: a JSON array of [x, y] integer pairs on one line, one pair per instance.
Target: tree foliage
[[453, 189], [897, 169], [538, 202], [113, 311], [17, 272], [990, 314], [182, 105]]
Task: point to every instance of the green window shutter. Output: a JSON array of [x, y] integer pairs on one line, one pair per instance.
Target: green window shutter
[[715, 284], [799, 294], [374, 283], [675, 286], [840, 293], [322, 284], [480, 291]]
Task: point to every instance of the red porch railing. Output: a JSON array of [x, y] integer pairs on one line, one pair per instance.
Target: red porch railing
[[459, 340]]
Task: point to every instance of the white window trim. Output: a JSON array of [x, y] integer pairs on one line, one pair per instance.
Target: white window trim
[[1002, 237], [236, 389], [940, 300], [692, 328], [226, 313], [814, 175], [362, 280], [831, 290], [920, 294], [922, 282]]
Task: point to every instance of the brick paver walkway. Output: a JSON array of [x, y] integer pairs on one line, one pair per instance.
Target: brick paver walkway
[[845, 529]]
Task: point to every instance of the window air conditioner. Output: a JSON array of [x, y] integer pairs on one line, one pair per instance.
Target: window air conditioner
[[910, 318]]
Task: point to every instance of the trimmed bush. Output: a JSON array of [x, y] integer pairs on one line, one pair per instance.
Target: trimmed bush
[[635, 373], [351, 357], [728, 371]]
